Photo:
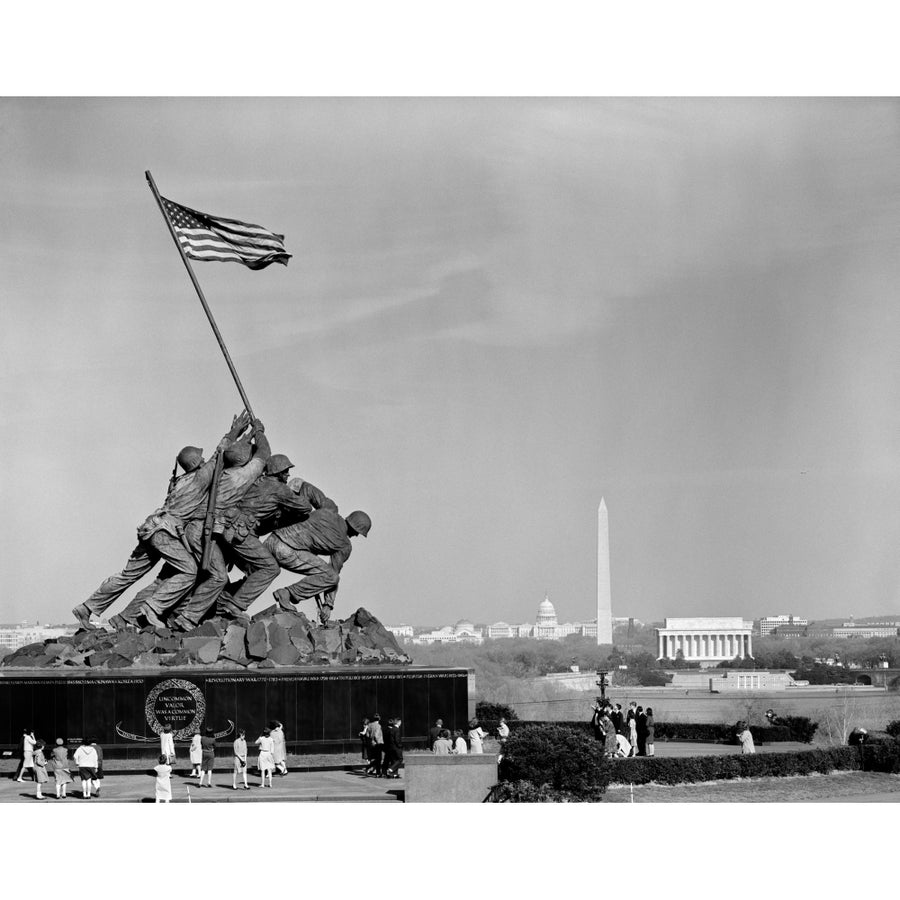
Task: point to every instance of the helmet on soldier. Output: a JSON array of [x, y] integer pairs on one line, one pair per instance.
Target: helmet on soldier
[[278, 463], [237, 455], [190, 458], [359, 522]]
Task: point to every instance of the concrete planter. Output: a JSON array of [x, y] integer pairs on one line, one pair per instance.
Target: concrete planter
[[449, 779]]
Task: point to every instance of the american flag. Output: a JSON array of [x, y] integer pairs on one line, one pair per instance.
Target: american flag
[[207, 237]]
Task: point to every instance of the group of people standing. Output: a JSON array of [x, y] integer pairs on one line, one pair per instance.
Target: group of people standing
[[628, 733], [34, 757], [445, 742], [382, 747], [215, 515], [202, 754]]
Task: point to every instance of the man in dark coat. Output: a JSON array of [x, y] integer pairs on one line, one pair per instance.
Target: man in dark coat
[[393, 750], [618, 719], [296, 548], [641, 732]]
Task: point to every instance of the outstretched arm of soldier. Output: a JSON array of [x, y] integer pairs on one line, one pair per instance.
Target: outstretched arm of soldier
[[317, 499], [238, 426], [258, 432]]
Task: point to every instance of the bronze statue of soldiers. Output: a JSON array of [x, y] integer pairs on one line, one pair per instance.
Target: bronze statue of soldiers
[[268, 502], [244, 463], [296, 548], [162, 535]]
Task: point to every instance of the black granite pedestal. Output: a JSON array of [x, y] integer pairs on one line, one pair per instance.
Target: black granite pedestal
[[321, 708]]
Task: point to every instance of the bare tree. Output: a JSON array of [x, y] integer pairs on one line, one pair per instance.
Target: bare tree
[[838, 719]]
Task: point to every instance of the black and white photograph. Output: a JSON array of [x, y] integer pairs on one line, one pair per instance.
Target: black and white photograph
[[439, 450]]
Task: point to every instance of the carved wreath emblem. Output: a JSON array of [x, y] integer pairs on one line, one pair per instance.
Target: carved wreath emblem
[[186, 687]]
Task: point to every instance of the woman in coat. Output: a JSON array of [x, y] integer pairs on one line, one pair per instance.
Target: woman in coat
[[279, 754], [651, 750], [40, 768], [59, 765], [610, 743], [631, 727], [196, 754], [26, 749], [745, 738], [476, 737]]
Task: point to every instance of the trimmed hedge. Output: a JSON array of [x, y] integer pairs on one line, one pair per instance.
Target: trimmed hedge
[[693, 769], [564, 759], [552, 763], [879, 755]]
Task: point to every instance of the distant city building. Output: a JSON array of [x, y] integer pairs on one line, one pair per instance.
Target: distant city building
[[767, 624], [625, 621], [864, 631], [725, 680], [789, 631], [851, 630], [501, 630], [404, 632], [705, 639], [546, 626], [12, 637], [463, 632]]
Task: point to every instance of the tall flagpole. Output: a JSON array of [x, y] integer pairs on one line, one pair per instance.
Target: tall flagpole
[[196, 284]]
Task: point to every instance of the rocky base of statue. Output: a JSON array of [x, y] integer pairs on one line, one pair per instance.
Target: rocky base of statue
[[272, 638]]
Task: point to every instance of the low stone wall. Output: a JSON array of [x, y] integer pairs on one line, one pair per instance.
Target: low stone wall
[[449, 779]]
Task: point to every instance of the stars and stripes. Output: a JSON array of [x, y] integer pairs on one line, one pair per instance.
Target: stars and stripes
[[206, 237]]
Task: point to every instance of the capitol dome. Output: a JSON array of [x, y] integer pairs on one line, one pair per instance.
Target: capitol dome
[[546, 614], [464, 625]]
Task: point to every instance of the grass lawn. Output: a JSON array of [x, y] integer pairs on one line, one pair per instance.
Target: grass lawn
[[840, 786]]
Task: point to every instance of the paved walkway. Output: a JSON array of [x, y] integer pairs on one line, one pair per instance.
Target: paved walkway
[[307, 786], [333, 779]]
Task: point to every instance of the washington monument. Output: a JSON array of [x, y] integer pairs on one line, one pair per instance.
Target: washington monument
[[604, 590]]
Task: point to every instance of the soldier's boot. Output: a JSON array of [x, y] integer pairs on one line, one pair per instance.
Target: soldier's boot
[[83, 616], [283, 598], [179, 623], [151, 616]]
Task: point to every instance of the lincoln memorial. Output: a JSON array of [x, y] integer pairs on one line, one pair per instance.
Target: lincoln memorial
[[705, 639]]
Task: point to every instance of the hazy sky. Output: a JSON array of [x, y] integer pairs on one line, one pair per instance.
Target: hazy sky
[[498, 312]]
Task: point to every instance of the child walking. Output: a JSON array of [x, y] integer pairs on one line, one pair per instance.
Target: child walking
[[163, 779], [196, 752], [208, 746], [266, 758], [240, 759], [40, 768]]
